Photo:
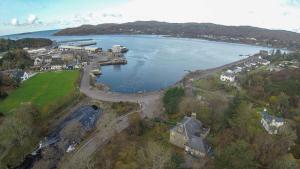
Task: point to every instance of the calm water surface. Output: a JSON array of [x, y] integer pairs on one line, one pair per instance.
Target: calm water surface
[[156, 62]]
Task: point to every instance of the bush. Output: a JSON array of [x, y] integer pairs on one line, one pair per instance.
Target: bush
[[122, 108]]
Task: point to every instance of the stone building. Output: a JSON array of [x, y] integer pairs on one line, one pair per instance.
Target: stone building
[[190, 134]]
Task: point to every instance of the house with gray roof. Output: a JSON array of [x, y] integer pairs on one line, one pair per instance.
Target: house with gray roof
[[271, 123], [190, 134]]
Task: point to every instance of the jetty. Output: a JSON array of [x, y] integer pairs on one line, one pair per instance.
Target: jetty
[[86, 44], [74, 40], [120, 61]]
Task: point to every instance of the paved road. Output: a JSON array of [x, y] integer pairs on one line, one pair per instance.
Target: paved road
[[148, 101]]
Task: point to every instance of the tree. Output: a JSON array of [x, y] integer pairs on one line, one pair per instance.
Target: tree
[[17, 135], [16, 59], [20, 125], [154, 156], [267, 147], [283, 102], [238, 155], [231, 111], [172, 99], [286, 162], [245, 122]]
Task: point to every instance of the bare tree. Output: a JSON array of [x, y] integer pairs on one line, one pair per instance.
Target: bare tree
[[154, 156]]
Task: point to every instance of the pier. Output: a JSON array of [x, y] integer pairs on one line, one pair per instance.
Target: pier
[[114, 62]]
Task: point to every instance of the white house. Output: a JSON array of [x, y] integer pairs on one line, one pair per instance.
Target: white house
[[57, 67], [271, 123], [25, 76], [227, 76]]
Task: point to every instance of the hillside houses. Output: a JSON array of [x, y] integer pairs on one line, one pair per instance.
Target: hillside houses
[[252, 62], [189, 134]]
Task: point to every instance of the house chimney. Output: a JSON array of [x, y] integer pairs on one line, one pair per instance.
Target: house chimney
[[194, 115]]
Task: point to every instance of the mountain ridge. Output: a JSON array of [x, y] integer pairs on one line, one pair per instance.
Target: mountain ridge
[[211, 31]]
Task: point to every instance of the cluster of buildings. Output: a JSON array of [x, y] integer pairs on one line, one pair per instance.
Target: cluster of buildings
[[251, 63], [53, 59], [190, 135], [66, 56]]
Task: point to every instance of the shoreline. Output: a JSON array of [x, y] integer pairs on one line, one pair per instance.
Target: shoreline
[[182, 80]]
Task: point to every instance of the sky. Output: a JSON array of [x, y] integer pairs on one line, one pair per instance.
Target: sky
[[18, 16]]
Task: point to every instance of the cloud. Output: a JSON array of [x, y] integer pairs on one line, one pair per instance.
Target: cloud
[[92, 18], [32, 19], [112, 15], [15, 22]]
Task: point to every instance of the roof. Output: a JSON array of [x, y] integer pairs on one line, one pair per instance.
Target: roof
[[191, 127], [57, 61], [269, 118], [18, 74], [228, 74], [197, 143]]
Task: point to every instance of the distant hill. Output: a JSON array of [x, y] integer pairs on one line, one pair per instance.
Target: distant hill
[[240, 34]]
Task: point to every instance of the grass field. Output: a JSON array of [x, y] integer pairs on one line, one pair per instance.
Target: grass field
[[45, 91]]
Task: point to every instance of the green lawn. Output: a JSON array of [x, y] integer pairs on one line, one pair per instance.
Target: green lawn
[[45, 91]]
